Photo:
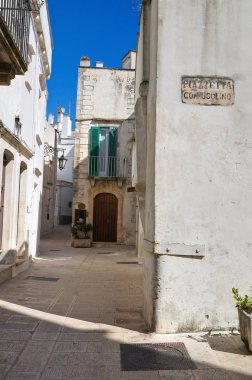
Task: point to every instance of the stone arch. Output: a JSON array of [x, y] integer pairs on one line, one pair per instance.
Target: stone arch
[[6, 198]]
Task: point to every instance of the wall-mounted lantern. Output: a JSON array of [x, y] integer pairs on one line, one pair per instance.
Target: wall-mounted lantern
[[62, 161], [48, 149]]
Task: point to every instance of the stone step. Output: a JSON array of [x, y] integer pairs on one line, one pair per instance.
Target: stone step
[[20, 266], [5, 273], [20, 261]]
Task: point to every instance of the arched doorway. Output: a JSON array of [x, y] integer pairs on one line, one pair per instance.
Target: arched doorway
[[6, 198], [105, 218]]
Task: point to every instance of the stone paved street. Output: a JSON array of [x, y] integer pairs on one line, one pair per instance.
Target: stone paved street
[[66, 317]]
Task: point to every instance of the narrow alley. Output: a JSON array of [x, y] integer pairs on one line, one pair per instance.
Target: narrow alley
[[77, 314]]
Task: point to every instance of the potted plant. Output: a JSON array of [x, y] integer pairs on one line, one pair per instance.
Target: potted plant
[[80, 235], [244, 305]]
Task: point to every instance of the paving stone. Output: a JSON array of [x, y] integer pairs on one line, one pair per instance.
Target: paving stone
[[103, 347], [177, 375], [4, 318], [4, 312], [38, 346], [115, 373], [23, 376], [11, 345], [17, 326], [211, 374], [8, 357], [140, 375], [34, 356], [22, 319], [81, 337], [93, 288], [99, 359], [48, 327], [75, 372], [4, 368], [71, 347], [45, 335]]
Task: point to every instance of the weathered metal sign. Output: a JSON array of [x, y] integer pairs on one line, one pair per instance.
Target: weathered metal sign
[[208, 91]]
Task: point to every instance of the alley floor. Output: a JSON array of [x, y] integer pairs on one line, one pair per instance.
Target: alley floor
[[76, 314]]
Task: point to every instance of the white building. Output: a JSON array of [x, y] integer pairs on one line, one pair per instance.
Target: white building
[[57, 181], [64, 184], [194, 138], [49, 178], [103, 140], [25, 66]]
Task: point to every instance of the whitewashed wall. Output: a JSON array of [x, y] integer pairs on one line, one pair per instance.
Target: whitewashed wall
[[64, 198], [27, 99], [200, 182]]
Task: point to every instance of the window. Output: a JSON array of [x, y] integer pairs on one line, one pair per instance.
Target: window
[[103, 152]]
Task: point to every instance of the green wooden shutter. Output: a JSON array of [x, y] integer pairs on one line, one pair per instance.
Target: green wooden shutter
[[112, 151], [94, 151]]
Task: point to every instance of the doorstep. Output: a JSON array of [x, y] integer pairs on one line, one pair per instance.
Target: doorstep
[[105, 244]]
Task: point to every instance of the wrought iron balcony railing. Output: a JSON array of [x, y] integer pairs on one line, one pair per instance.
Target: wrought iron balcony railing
[[15, 16], [108, 167]]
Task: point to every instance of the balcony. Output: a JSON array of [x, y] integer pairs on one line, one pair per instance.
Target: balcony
[[15, 16], [107, 167]]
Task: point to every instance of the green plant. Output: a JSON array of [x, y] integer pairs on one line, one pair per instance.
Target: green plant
[[81, 227], [243, 303]]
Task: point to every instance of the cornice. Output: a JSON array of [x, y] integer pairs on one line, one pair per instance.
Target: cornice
[[10, 138]]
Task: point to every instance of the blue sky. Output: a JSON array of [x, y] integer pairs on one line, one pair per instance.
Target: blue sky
[[101, 30]]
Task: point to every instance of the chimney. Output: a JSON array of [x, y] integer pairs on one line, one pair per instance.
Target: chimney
[[99, 64], [60, 112], [85, 62]]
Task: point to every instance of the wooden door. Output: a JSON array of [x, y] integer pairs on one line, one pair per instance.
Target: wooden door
[[105, 218]]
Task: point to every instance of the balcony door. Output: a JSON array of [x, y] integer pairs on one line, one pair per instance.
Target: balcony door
[[103, 167], [105, 218], [103, 152]]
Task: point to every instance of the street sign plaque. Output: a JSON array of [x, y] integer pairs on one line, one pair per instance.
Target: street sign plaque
[[208, 91]]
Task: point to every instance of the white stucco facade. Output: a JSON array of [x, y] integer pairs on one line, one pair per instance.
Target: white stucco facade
[[64, 185], [194, 163], [23, 118], [49, 179]]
